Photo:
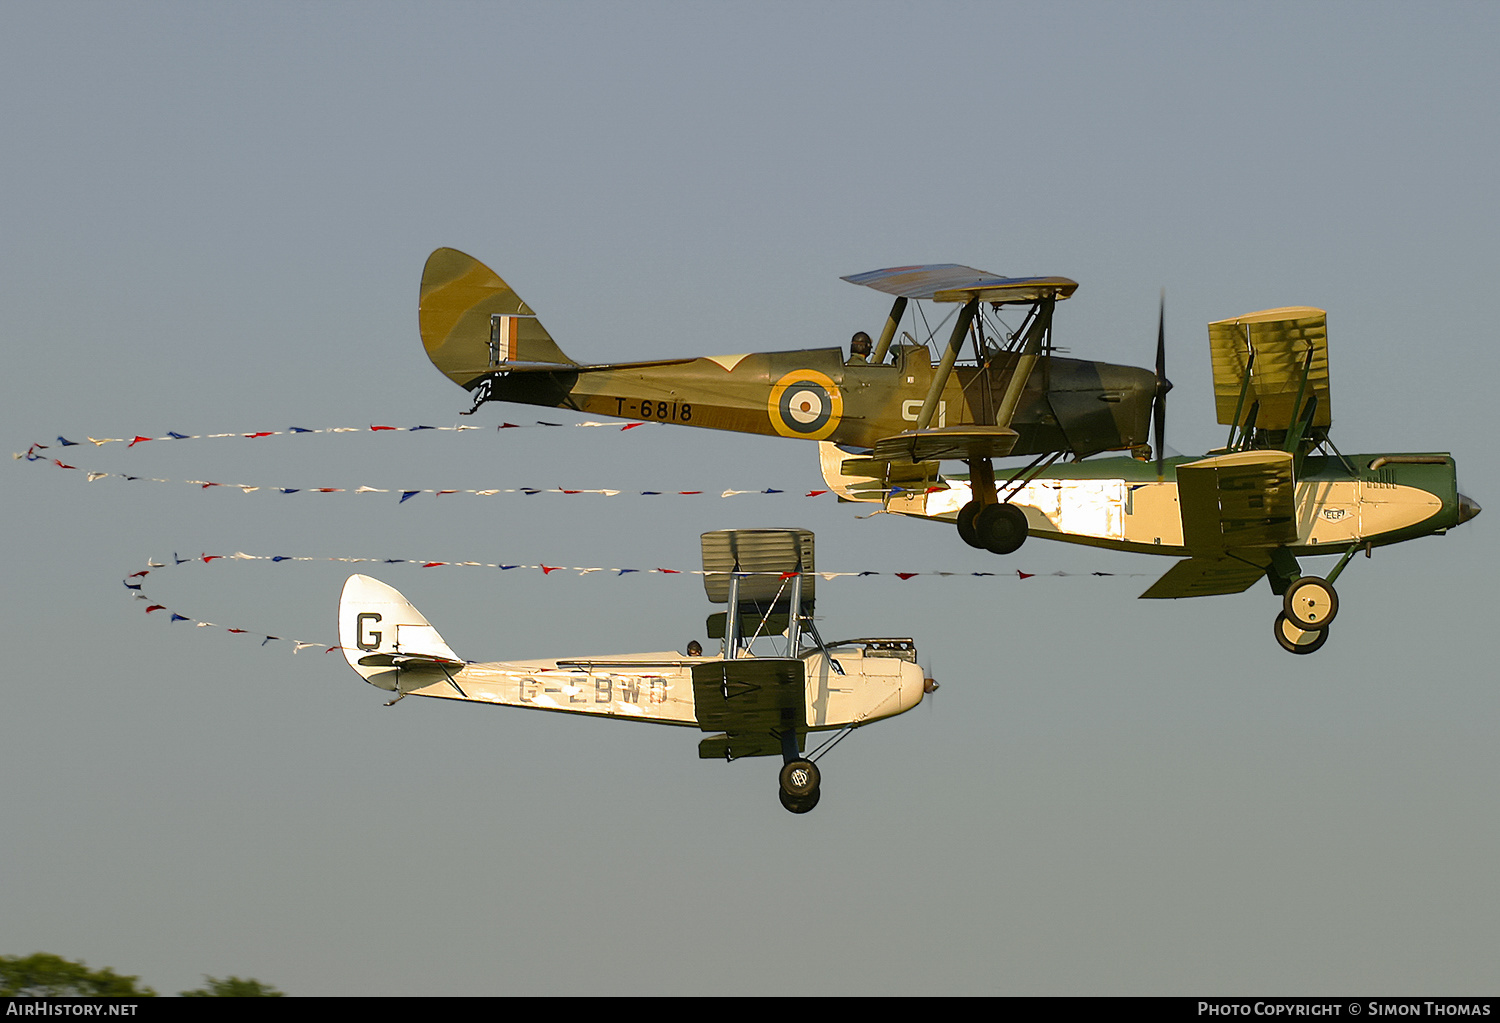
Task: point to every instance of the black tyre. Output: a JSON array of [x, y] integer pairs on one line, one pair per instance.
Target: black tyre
[[800, 805], [800, 778], [1001, 528], [1296, 640], [1311, 603]]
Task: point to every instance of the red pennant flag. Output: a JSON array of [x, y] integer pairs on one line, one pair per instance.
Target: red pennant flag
[[903, 576], [253, 435], [669, 571], [210, 557], [549, 569], [788, 575], [690, 491], [1024, 575], [235, 630], [138, 440], [814, 493], [60, 465], [382, 427], [434, 564], [156, 607], [207, 485], [630, 426], [144, 571]]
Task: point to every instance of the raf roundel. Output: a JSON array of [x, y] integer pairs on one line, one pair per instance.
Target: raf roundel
[[805, 403]]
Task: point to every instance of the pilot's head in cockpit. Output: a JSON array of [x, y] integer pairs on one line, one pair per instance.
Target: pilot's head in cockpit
[[859, 347]]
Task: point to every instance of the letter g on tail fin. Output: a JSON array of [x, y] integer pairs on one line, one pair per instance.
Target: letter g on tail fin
[[388, 641]]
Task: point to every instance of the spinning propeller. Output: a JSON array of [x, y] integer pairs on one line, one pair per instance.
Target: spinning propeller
[[1163, 385]]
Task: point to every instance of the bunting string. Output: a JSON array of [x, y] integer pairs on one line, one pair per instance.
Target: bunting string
[[34, 455], [293, 431], [135, 583]]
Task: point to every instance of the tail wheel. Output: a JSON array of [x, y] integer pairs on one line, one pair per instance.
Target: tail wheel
[[1297, 640], [1311, 603], [800, 779], [1001, 528]]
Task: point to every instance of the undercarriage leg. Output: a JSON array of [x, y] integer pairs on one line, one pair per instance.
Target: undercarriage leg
[[987, 522], [800, 778]]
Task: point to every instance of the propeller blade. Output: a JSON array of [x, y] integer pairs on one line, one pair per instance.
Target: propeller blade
[[1163, 385]]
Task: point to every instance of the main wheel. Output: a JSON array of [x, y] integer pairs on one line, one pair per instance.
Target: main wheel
[[1297, 640], [800, 805], [966, 531], [1001, 528], [1311, 602], [800, 778]]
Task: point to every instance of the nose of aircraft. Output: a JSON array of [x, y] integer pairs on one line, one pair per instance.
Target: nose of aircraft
[[1467, 508]]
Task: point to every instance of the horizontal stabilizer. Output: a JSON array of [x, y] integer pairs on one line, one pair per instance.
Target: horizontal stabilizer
[[408, 661]]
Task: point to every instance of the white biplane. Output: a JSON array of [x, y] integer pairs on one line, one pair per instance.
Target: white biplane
[[758, 702]]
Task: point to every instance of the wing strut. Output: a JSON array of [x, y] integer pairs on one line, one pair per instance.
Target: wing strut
[[982, 470], [898, 309], [945, 367]]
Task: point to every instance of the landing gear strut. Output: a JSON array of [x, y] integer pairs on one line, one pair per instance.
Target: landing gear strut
[[799, 777]]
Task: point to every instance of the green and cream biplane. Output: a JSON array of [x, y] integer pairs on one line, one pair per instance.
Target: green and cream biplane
[[773, 682], [1279, 490]]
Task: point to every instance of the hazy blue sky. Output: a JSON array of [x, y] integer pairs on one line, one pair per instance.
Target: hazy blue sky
[[215, 217]]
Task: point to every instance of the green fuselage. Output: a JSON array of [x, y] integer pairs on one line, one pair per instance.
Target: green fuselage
[[1067, 404]]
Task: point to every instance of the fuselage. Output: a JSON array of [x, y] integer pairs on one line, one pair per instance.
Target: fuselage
[[1119, 504], [1067, 404], [880, 679]]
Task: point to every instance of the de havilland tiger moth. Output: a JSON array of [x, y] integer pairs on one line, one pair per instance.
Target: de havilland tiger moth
[[757, 701], [1014, 396]]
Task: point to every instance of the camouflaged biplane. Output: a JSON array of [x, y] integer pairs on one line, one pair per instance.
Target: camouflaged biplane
[[762, 693], [1277, 491], [1014, 397]]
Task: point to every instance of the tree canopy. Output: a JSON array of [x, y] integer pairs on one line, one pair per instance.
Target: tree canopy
[[43, 975], [232, 987]]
